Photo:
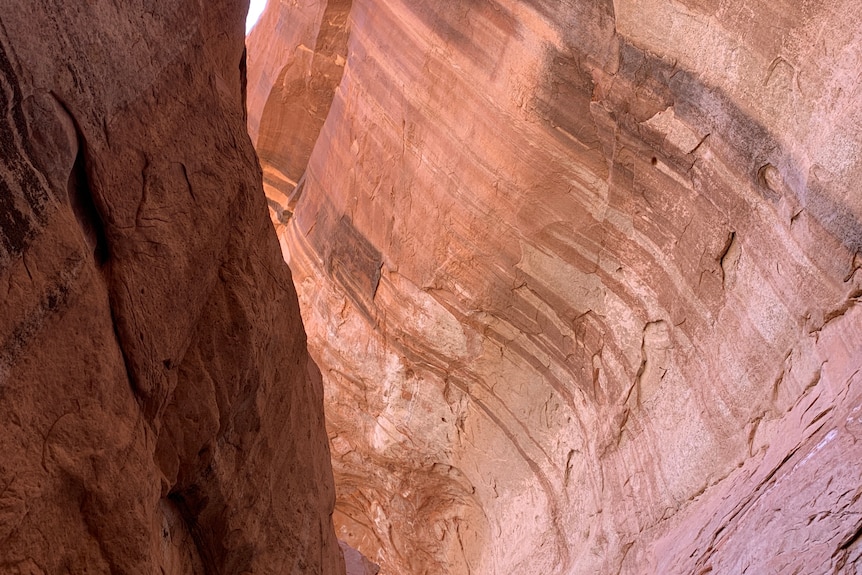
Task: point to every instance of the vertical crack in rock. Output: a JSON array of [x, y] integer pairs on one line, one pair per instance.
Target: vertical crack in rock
[[80, 197], [728, 260]]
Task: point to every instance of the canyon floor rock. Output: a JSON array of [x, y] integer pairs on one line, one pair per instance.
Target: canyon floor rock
[[582, 278]]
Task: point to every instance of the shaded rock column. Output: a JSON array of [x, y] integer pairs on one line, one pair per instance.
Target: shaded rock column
[[159, 412]]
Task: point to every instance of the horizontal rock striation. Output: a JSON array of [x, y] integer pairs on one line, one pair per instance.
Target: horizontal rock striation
[[159, 412], [582, 277]]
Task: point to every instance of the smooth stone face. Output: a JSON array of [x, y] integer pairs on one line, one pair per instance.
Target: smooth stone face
[[159, 412], [582, 277]]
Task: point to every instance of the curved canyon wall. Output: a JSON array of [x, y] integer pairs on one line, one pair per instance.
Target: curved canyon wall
[[159, 412], [582, 277]]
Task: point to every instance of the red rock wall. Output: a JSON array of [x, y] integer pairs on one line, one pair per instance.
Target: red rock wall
[[159, 412], [582, 279]]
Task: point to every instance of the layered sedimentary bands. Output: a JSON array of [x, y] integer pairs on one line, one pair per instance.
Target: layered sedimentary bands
[[158, 409], [582, 277]]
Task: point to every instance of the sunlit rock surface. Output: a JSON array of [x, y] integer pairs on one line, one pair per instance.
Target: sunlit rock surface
[[159, 413], [582, 277]]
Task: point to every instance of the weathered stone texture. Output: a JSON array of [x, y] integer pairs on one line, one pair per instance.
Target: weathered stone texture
[[581, 277], [159, 412]]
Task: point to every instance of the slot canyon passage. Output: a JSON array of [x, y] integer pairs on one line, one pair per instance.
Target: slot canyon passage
[[580, 282], [581, 276]]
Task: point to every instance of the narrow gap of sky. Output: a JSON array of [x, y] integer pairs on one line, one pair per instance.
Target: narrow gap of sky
[[255, 9]]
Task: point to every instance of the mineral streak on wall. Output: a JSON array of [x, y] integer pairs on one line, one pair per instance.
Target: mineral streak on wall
[[159, 412], [582, 277]]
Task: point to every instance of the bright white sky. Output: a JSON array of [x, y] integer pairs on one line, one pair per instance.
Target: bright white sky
[[255, 8]]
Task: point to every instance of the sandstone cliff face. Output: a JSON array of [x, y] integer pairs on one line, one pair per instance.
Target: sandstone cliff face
[[582, 277], [159, 412]]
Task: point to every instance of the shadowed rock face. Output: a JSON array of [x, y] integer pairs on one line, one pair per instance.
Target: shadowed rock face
[[581, 277], [159, 412]]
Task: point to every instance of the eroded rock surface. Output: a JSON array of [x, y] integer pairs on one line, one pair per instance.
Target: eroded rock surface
[[159, 412], [582, 277], [356, 563]]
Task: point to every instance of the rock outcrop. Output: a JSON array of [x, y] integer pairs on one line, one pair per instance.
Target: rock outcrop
[[159, 412], [582, 277]]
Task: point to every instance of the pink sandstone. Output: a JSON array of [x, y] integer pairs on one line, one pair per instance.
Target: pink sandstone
[[582, 278]]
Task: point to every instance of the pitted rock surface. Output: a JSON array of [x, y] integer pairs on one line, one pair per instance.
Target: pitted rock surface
[[159, 412]]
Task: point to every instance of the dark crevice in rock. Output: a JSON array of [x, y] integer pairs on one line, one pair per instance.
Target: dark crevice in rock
[[79, 192], [81, 200], [188, 506], [243, 78]]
